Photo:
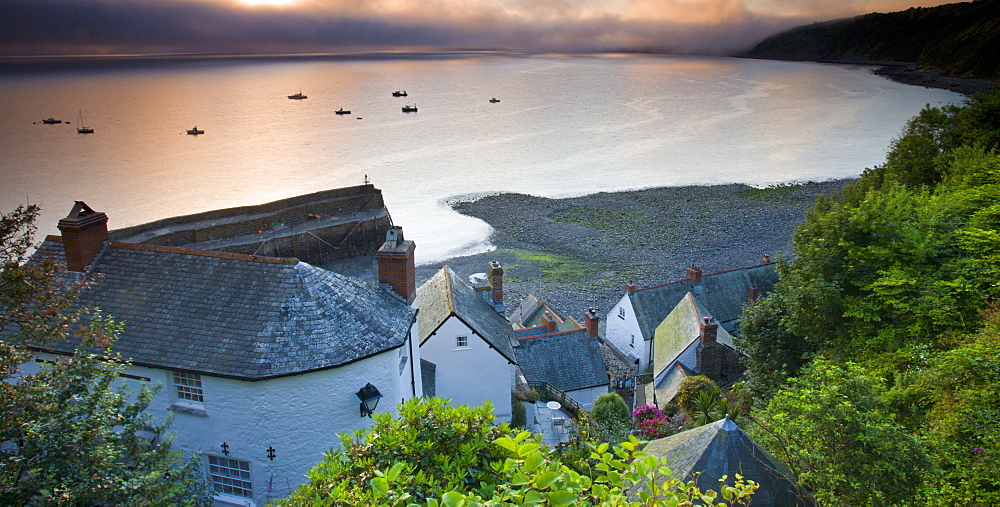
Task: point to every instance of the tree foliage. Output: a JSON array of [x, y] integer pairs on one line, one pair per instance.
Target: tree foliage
[[513, 468], [440, 447], [833, 430], [72, 433]]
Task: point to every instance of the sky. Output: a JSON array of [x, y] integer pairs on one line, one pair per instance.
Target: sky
[[702, 27]]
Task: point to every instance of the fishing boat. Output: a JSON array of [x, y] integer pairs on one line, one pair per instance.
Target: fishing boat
[[494, 100], [398, 93], [409, 109], [298, 96], [195, 131], [51, 121], [342, 111], [81, 129]]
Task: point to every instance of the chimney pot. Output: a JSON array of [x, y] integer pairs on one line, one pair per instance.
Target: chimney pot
[[694, 273], [708, 330], [495, 275], [766, 259], [550, 323]]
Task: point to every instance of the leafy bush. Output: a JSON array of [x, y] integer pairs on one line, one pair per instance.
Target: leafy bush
[[519, 415], [440, 447], [687, 395]]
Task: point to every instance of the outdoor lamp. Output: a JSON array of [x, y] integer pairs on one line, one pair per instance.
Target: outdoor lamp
[[369, 397]]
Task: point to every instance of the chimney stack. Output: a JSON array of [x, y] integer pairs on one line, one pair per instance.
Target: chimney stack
[[766, 259], [495, 275], [707, 330], [396, 266], [84, 232], [591, 320], [694, 273], [752, 295], [549, 323]]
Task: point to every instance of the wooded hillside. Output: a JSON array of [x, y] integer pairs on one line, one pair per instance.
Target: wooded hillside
[[961, 39]]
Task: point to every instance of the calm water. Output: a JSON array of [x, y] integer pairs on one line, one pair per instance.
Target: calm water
[[564, 126]]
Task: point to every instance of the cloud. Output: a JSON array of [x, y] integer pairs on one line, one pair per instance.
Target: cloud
[[143, 26]]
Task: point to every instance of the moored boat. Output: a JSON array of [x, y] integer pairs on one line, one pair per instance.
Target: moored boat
[[298, 96], [398, 93], [195, 131], [81, 129], [342, 111], [494, 100], [51, 121], [409, 109]]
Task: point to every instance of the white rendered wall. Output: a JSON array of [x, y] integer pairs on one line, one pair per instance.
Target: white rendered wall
[[299, 416], [621, 332], [472, 374]]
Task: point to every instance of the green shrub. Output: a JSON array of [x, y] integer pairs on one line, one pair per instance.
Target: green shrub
[[687, 395], [519, 416]]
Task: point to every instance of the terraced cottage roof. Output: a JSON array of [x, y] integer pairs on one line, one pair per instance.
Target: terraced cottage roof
[[236, 315], [445, 294], [568, 360]]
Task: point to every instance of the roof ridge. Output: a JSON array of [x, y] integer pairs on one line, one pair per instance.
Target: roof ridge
[[204, 253], [449, 296], [546, 334]]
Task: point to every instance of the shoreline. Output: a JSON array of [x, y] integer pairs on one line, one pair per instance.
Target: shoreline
[[908, 73], [579, 252]]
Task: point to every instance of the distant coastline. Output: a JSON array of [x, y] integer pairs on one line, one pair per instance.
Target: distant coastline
[[908, 73]]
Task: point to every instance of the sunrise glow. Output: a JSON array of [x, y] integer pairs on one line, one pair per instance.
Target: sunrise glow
[[267, 2]]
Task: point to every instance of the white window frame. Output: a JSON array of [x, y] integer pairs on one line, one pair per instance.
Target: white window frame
[[462, 342], [226, 479], [188, 388], [621, 312]]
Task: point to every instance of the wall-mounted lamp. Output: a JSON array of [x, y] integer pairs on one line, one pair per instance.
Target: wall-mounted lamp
[[369, 397]]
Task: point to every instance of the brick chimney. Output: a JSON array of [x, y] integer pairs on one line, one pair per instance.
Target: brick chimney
[[494, 273], [591, 320], [707, 331], [84, 232], [549, 323], [752, 295], [396, 266], [694, 273], [766, 259]]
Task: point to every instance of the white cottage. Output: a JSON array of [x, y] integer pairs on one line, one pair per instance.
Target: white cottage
[[632, 322], [260, 358], [466, 343]]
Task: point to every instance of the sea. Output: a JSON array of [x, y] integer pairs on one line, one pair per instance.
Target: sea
[[561, 126]]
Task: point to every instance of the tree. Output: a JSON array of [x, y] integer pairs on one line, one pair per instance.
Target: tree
[[440, 447], [831, 428], [963, 389], [610, 419], [71, 436]]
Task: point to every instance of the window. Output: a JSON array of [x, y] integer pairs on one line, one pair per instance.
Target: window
[[230, 476], [621, 313], [188, 386], [631, 343], [462, 342]]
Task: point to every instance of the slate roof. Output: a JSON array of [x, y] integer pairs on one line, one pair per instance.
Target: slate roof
[[725, 293], [568, 360], [446, 294], [722, 448], [530, 312], [236, 315], [679, 330]]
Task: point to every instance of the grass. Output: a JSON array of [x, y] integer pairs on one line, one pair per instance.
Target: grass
[[553, 267], [595, 218]]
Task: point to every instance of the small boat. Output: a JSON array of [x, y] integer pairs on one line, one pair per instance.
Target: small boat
[[195, 131], [51, 121], [342, 111], [494, 100], [398, 93], [298, 96], [81, 129], [409, 109]]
